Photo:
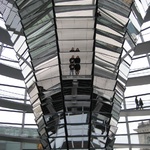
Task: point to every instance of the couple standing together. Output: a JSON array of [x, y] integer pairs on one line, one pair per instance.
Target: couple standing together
[[74, 65]]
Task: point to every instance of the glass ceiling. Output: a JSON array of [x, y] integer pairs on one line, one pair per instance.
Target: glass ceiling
[[72, 111]]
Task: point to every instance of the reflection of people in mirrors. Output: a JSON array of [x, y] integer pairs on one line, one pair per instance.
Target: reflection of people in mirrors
[[41, 91], [77, 60], [72, 49], [77, 65], [72, 59], [77, 50], [72, 67], [77, 69]]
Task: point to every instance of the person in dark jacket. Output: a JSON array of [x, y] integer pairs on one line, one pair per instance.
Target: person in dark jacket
[[77, 65], [77, 50], [137, 102], [72, 60], [72, 49], [72, 67], [77, 68], [140, 103], [77, 60]]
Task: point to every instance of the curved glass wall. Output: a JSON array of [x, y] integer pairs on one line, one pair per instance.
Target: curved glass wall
[[86, 108], [17, 126], [136, 121]]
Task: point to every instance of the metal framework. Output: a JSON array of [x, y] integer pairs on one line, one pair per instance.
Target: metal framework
[[74, 111]]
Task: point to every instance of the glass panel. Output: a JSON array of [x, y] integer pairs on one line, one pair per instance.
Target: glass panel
[[110, 42], [10, 117], [29, 118], [121, 139]]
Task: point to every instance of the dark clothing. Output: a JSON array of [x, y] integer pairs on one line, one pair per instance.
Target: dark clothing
[[72, 60], [71, 66], [137, 103], [77, 60], [71, 50], [141, 103], [77, 67], [77, 50]]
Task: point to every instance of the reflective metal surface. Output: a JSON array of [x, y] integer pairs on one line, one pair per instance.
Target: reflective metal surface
[[75, 111]]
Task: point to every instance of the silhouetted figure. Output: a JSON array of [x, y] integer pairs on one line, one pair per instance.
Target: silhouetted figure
[[77, 68], [72, 67], [72, 60], [77, 60], [72, 49], [77, 65], [141, 104], [136, 102], [77, 50], [41, 91]]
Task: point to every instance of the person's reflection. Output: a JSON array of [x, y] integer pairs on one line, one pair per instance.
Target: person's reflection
[[71, 66], [72, 49], [72, 60], [77, 65], [41, 91], [77, 50]]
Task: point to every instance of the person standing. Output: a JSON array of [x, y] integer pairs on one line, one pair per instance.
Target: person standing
[[77, 60], [136, 102], [72, 65], [72, 49], [77, 69], [72, 60], [77, 65], [77, 50], [140, 103]]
